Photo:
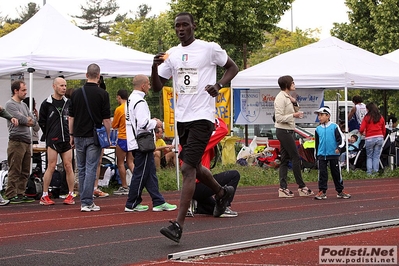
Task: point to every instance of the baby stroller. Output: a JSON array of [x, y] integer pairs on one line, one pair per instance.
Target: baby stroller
[[360, 160]]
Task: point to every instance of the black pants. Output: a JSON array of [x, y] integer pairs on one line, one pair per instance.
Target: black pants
[[288, 150], [335, 173], [204, 195]]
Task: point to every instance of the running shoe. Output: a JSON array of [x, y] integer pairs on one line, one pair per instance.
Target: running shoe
[[3, 202], [69, 200], [285, 193], [164, 207], [343, 195], [121, 191], [46, 201], [138, 208], [27, 199], [320, 196], [173, 231], [66, 195], [229, 213], [98, 193], [15, 200], [91, 208], [221, 203]]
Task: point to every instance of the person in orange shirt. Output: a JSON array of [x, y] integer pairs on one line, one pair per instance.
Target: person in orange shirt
[[121, 150]]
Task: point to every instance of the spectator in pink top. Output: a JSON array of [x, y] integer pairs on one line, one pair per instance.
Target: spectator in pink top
[[373, 127]]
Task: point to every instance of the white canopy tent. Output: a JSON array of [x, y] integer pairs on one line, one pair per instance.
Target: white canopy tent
[[329, 63], [52, 46], [393, 56]]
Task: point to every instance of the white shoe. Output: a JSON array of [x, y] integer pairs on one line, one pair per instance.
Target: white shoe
[[93, 207], [3, 202]]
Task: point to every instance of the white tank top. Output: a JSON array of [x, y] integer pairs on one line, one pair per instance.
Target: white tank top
[[361, 111]]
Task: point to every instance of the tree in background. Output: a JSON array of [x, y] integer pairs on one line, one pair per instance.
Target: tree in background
[[280, 41], [7, 28], [374, 26], [25, 13], [238, 26], [94, 11], [149, 35], [7, 24]]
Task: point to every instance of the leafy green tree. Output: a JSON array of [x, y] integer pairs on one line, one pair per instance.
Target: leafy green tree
[[143, 11], [94, 12], [24, 13], [373, 26], [149, 35], [238, 26], [7, 28], [281, 41]]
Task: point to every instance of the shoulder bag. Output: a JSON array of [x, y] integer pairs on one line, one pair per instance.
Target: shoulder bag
[[145, 140], [100, 135]]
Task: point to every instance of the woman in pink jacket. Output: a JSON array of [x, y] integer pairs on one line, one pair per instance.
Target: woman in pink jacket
[[373, 127]]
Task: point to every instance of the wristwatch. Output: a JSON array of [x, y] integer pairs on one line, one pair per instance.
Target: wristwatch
[[220, 84]]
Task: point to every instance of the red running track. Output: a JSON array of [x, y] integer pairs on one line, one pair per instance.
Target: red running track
[[62, 235]]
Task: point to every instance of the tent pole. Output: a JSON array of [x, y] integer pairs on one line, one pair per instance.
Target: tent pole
[[231, 111], [30, 71], [176, 151], [346, 129]]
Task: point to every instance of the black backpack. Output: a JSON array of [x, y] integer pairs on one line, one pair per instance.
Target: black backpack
[[34, 186]]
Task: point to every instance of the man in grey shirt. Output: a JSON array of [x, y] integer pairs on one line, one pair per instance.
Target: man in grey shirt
[[19, 144]]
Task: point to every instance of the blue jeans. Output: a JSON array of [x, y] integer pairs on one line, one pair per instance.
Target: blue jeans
[[144, 176], [87, 158], [373, 151]]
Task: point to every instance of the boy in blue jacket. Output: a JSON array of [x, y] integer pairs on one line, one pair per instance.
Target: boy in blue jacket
[[329, 143]]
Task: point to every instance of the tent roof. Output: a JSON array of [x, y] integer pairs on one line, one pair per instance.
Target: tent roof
[[53, 46], [393, 56], [329, 63]]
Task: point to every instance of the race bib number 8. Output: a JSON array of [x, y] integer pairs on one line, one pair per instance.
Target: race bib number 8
[[187, 80]]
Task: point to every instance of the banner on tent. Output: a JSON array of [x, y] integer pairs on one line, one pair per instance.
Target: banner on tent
[[256, 106], [223, 109]]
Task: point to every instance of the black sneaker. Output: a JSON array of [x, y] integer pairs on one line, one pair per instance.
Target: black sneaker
[[27, 199], [15, 200], [221, 203], [173, 231]]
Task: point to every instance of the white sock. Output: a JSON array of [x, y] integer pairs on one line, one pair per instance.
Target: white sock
[[45, 194]]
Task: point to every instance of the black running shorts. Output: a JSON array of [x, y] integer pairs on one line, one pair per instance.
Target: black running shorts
[[193, 137]]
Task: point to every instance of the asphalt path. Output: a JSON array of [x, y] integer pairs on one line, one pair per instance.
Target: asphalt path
[[62, 235]]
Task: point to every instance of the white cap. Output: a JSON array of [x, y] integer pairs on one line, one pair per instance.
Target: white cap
[[323, 110]]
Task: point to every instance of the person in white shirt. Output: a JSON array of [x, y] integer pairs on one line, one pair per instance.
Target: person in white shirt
[[138, 120], [357, 113]]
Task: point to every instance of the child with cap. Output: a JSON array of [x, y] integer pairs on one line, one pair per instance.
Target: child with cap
[[329, 143]]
